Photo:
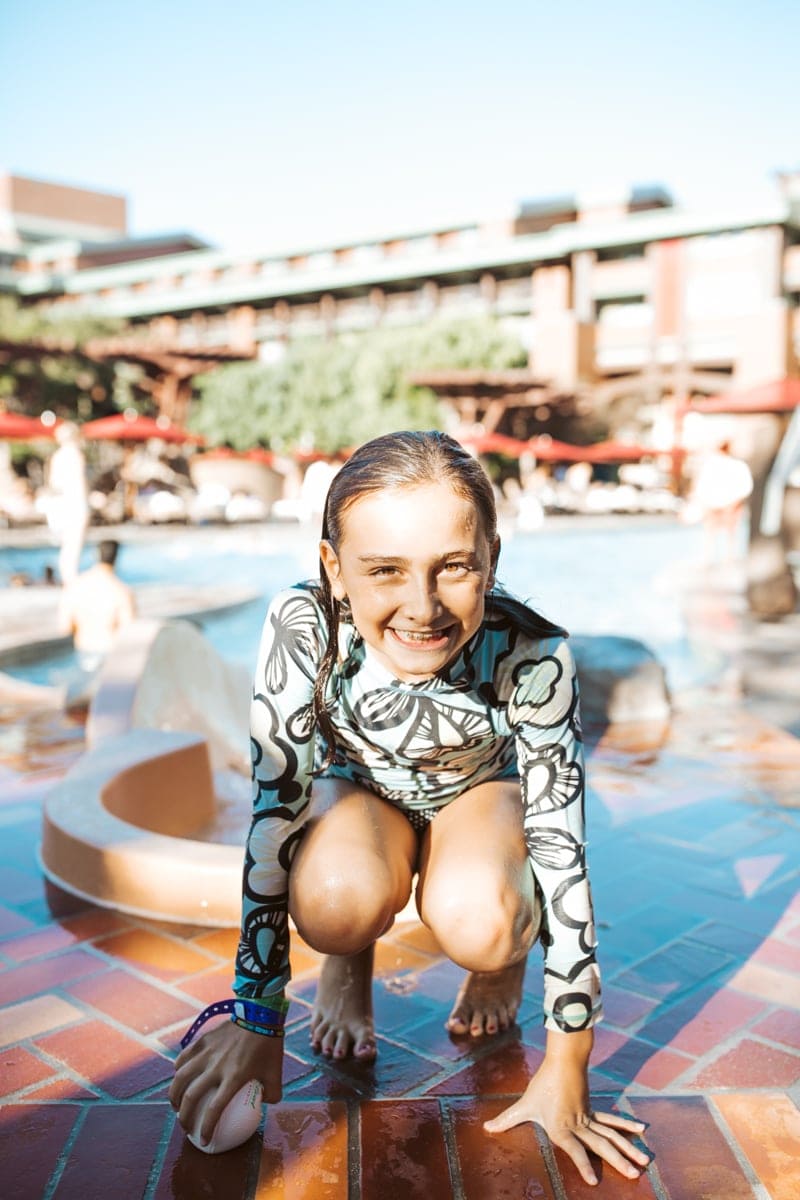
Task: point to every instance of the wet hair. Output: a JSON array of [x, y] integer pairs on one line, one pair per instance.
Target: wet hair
[[405, 460], [107, 551]]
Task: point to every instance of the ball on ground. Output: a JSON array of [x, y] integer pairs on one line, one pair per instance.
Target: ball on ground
[[239, 1120]]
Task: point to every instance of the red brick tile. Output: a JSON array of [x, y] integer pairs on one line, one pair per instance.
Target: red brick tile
[[161, 956], [294, 1069], [12, 922], [750, 1064], [95, 923], [19, 1068], [396, 1008], [34, 945], [611, 1184], [625, 1008], [210, 985], [104, 1056], [778, 987], [170, 1039], [189, 1174], [395, 1072], [403, 1155], [783, 1025], [62, 1088], [607, 1042], [394, 957], [691, 1155], [775, 953], [19, 983], [222, 942], [493, 1166], [440, 982], [637, 1060], [669, 972], [725, 1013], [304, 1156], [33, 1138], [428, 1035], [32, 1018], [767, 1127], [142, 1006], [661, 1069], [504, 1072], [113, 1153]]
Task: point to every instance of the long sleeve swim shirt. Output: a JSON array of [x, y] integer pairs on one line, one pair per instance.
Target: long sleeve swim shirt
[[506, 707]]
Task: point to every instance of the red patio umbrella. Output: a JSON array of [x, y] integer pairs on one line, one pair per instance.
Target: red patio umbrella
[[612, 451], [17, 427], [121, 427], [781, 395], [494, 443], [548, 449], [255, 454]]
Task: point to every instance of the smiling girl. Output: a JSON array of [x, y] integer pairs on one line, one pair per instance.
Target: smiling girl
[[412, 720]]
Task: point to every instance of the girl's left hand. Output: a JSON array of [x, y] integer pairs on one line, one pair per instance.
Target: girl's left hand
[[557, 1098]]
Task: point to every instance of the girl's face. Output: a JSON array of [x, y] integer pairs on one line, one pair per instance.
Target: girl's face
[[415, 564]]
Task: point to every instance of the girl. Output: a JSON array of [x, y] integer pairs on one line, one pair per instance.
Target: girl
[[410, 718]]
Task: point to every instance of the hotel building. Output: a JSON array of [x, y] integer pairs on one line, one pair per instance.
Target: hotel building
[[610, 298]]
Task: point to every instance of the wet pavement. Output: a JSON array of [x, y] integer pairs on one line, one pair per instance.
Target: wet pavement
[[694, 848]]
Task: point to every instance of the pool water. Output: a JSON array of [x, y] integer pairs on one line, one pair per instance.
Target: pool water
[[619, 578]]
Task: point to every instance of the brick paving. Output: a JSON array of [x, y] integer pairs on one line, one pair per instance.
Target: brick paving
[[695, 852]]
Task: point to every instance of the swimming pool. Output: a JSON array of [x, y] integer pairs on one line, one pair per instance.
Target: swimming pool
[[604, 577]]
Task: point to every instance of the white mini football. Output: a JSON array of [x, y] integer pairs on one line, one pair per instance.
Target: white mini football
[[240, 1118]]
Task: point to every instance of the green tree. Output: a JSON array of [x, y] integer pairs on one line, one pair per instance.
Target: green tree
[[65, 380], [340, 392]]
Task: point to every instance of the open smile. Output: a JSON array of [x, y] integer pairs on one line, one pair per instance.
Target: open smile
[[416, 639]]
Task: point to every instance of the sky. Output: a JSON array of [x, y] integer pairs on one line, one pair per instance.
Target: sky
[[267, 124]]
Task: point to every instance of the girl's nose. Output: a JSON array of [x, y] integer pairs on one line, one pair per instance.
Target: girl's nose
[[422, 603]]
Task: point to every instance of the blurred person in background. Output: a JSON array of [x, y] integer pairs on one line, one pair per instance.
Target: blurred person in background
[[720, 487], [95, 607], [68, 499]]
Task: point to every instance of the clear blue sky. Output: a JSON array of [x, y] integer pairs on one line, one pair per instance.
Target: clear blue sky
[[266, 123]]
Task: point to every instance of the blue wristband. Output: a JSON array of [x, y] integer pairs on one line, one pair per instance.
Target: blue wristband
[[254, 1016]]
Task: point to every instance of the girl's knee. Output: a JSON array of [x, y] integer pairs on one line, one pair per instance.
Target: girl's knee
[[482, 928], [343, 911]]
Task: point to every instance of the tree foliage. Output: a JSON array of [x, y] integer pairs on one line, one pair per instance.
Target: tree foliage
[[63, 381], [339, 392]]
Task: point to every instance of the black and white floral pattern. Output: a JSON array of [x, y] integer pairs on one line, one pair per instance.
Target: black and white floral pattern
[[507, 707]]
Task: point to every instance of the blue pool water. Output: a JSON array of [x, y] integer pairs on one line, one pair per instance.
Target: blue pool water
[[621, 578]]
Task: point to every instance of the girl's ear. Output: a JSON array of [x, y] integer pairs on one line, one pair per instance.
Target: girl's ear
[[330, 562]]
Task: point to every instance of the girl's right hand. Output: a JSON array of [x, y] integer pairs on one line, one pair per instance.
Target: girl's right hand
[[221, 1061]]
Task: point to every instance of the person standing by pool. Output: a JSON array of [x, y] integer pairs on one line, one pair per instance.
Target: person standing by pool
[[410, 718], [720, 488], [68, 499], [96, 606]]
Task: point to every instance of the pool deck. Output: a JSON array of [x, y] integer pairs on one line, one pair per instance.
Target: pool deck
[[694, 849]]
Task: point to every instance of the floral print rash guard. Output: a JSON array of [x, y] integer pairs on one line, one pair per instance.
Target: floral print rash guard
[[506, 707]]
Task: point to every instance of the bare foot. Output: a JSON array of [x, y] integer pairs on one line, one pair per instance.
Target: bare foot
[[487, 1001], [341, 1022]]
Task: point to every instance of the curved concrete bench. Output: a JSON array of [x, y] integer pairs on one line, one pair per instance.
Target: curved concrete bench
[[118, 831]]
